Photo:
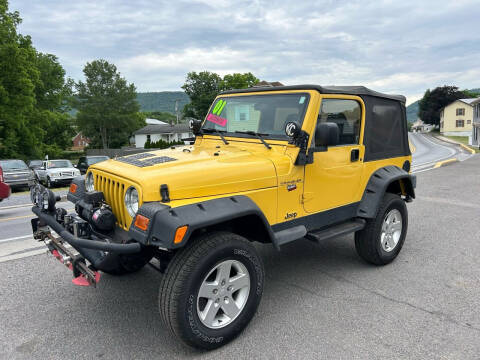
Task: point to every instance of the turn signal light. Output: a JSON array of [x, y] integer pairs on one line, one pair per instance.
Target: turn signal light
[[73, 188], [179, 234], [142, 222]]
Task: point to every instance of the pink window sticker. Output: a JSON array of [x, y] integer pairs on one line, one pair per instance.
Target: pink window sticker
[[217, 120]]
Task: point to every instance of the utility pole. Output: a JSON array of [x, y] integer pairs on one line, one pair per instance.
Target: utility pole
[[176, 109]]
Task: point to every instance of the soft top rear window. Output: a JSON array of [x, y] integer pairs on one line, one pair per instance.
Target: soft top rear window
[[266, 114]]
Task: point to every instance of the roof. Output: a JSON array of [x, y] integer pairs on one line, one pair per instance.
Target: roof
[[163, 129], [475, 101], [468, 101], [348, 90], [150, 121]]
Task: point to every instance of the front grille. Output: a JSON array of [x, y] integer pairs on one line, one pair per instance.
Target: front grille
[[66, 174], [114, 192]]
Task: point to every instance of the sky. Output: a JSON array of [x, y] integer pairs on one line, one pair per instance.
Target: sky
[[401, 47]]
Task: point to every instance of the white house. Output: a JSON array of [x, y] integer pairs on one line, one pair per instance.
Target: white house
[[169, 133]]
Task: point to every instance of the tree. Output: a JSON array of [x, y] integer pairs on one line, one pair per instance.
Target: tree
[[17, 78], [108, 111], [238, 81], [202, 88], [435, 100], [33, 118]]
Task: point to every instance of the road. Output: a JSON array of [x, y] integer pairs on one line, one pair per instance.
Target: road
[[429, 151], [320, 301]]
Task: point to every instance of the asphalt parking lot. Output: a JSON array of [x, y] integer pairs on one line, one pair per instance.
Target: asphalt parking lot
[[320, 301]]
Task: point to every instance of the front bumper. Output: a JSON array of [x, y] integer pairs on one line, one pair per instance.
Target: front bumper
[[19, 182], [62, 180], [100, 251]]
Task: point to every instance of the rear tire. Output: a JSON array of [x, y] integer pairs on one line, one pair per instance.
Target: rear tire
[[381, 240], [211, 289]]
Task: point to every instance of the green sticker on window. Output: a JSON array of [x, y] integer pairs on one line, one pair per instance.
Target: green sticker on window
[[302, 100], [217, 110]]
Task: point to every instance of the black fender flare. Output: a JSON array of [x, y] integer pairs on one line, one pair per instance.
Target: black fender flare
[[381, 180], [164, 220]]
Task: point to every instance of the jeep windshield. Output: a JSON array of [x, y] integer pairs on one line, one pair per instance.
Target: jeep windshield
[[248, 115], [10, 165], [55, 164]]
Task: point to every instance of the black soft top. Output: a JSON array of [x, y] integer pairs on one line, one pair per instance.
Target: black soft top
[[347, 90]]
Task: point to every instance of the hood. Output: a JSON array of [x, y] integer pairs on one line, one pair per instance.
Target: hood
[[198, 171]]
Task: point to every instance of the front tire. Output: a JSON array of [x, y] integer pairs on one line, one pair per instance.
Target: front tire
[[381, 240], [211, 289]]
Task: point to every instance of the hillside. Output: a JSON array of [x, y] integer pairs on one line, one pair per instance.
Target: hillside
[[162, 101], [412, 111]]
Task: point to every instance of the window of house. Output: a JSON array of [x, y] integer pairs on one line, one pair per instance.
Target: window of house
[[460, 111], [346, 114], [460, 123], [148, 137]]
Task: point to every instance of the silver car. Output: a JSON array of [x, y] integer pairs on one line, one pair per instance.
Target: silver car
[[56, 172], [16, 173]]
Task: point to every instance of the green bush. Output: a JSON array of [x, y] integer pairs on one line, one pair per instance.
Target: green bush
[[161, 144]]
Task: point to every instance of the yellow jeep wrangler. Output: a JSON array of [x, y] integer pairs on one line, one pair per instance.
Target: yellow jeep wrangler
[[269, 165]]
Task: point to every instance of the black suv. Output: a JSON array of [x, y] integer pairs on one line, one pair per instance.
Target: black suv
[[85, 161]]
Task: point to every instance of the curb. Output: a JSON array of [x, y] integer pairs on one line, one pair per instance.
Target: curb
[[467, 148], [444, 162], [412, 147], [442, 138]]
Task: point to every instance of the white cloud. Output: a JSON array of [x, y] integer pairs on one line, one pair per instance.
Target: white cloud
[[401, 47]]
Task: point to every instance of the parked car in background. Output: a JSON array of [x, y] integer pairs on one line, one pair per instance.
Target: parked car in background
[[16, 173], [4, 188], [56, 172], [85, 161], [34, 164]]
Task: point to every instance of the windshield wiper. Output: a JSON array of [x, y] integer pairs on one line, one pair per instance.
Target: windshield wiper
[[258, 135], [218, 132]]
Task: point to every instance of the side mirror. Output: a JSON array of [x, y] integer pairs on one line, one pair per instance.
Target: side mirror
[[195, 125], [327, 134]]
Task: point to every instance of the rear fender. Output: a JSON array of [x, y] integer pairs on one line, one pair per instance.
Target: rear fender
[[387, 179]]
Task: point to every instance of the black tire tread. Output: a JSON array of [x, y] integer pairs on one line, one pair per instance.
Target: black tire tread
[[178, 271], [366, 239]]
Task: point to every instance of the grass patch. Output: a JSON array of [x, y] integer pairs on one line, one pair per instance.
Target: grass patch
[[463, 140]]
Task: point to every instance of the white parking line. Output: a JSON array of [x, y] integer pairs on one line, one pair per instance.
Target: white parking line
[[15, 206], [16, 238]]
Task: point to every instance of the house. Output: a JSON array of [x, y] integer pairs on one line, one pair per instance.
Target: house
[[168, 133], [80, 142], [475, 137], [456, 118]]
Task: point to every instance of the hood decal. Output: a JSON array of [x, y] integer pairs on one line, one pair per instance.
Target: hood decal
[[150, 160]]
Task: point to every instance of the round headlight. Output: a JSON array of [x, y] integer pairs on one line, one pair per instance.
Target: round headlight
[[131, 201], [89, 182]]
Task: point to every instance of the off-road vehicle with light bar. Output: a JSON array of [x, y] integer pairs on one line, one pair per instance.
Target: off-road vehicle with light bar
[[269, 165]]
